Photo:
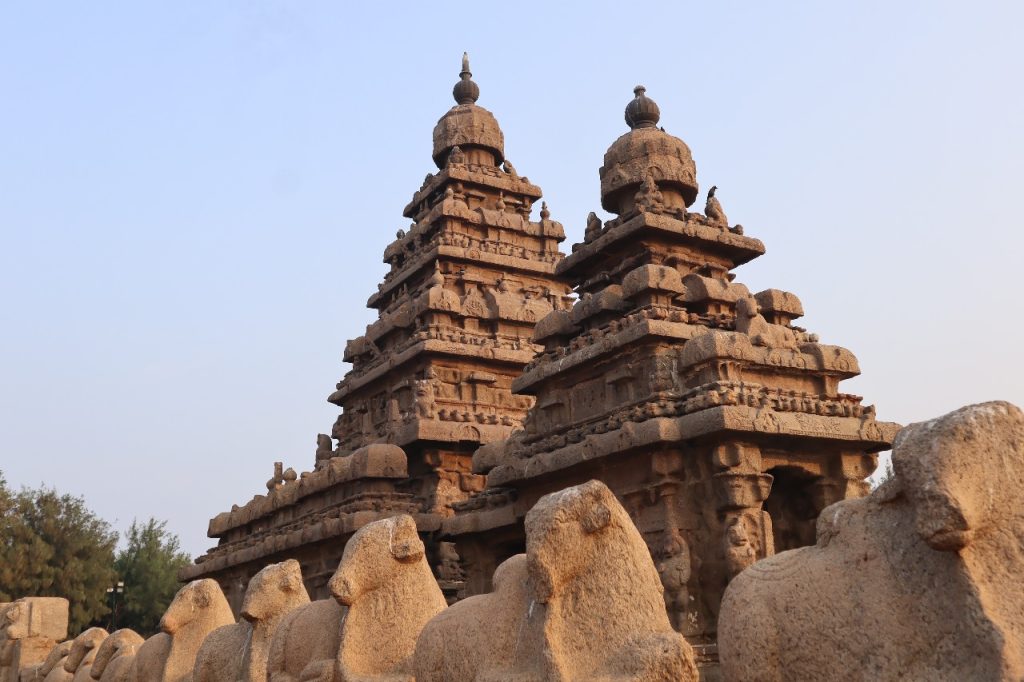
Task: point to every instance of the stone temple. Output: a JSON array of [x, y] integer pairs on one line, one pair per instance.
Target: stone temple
[[484, 385]]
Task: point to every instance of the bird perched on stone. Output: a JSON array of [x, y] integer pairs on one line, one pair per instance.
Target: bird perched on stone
[[510, 169], [399, 234], [713, 208]]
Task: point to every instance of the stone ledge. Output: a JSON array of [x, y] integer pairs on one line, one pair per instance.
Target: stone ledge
[[324, 529], [868, 433], [371, 461], [438, 346], [713, 239]]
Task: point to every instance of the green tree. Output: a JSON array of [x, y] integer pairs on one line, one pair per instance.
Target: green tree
[[52, 545], [148, 566]]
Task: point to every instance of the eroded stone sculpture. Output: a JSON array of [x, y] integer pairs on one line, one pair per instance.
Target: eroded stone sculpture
[[477, 634], [584, 603], [920, 580], [383, 594], [197, 609], [114, 658], [54, 661], [238, 652], [150, 658], [29, 629], [83, 652]]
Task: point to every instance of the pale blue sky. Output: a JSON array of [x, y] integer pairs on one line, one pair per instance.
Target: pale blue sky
[[195, 197]]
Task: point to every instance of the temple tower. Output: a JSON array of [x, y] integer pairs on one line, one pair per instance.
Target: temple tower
[[468, 281], [431, 378], [716, 421]]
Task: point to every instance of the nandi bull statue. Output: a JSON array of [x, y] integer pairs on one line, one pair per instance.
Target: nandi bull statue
[[384, 593], [84, 647], [584, 603], [238, 652], [197, 609], [113, 661], [921, 580]]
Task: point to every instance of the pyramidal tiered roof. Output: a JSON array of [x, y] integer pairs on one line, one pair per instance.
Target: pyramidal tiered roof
[[468, 281], [716, 420], [431, 378]]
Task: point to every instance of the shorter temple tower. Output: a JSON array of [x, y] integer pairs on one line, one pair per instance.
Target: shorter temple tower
[[716, 421], [431, 378]]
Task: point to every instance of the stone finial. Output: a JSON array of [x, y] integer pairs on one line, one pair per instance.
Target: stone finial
[[466, 91], [642, 111]]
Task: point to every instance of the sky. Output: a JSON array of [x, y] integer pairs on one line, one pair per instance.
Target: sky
[[195, 198]]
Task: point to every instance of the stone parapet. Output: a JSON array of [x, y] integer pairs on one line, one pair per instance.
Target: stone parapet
[[691, 228], [739, 421], [373, 461]]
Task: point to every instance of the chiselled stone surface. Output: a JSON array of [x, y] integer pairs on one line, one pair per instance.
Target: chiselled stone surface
[[921, 580], [239, 652], [583, 603], [83, 652], [197, 609], [29, 629], [115, 656], [431, 377], [716, 421], [382, 594]]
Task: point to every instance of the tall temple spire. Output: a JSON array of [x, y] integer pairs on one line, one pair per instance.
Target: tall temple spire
[[718, 422], [466, 91]]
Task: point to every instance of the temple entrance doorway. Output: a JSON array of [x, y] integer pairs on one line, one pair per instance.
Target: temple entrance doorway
[[791, 507]]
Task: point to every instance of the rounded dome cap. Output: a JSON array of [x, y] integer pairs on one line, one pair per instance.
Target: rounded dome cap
[[644, 150], [642, 111], [467, 125]]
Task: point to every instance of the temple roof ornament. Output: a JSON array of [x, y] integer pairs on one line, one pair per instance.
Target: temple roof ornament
[[642, 111], [466, 91], [645, 150], [468, 126]]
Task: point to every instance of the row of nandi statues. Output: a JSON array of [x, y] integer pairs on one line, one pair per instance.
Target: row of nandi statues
[[921, 580], [583, 603]]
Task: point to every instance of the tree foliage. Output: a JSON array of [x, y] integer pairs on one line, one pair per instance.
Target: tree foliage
[[148, 565], [52, 545]]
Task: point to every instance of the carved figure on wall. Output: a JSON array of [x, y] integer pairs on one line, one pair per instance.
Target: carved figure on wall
[[738, 541], [426, 406], [324, 447], [449, 566], [751, 322], [675, 570], [593, 226], [649, 198], [456, 155]]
